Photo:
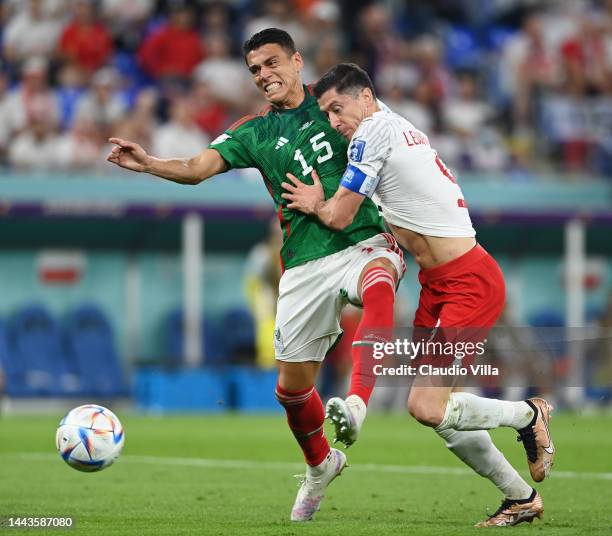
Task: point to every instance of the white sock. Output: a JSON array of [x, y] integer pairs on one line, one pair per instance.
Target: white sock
[[465, 411], [358, 408], [318, 470], [476, 450]]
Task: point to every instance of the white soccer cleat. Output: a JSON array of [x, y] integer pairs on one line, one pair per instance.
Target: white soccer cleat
[[314, 483], [347, 416]]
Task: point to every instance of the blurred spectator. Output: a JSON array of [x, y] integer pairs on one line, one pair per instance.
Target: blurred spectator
[[210, 114], [416, 108], [71, 88], [587, 57], [278, 14], [103, 102], [81, 147], [376, 42], [432, 71], [528, 66], [5, 114], [467, 117], [86, 41], [36, 148], [180, 137], [466, 113], [139, 124], [126, 20], [261, 277], [217, 20], [226, 77], [142, 122], [50, 8], [31, 96], [174, 49], [30, 32], [325, 44]]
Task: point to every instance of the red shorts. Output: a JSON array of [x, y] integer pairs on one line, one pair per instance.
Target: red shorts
[[459, 302]]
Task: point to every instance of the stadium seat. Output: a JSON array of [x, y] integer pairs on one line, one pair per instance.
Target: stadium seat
[[14, 377], [90, 345], [239, 334], [498, 36], [252, 389], [181, 390], [128, 67], [35, 347], [462, 49], [213, 347], [551, 336]]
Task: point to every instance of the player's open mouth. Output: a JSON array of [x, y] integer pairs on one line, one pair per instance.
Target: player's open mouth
[[270, 88]]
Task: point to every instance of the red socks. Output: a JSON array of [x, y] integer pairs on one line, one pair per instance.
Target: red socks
[[378, 298], [305, 415]]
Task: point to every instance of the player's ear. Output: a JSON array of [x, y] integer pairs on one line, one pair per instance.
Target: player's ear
[[367, 95], [298, 61]]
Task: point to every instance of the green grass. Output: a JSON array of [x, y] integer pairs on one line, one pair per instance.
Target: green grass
[[145, 494]]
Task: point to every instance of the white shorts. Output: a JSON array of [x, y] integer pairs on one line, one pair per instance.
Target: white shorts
[[312, 295]]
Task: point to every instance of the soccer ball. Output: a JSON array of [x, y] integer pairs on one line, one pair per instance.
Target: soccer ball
[[90, 438]]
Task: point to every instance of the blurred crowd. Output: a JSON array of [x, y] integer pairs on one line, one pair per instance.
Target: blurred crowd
[[520, 87]]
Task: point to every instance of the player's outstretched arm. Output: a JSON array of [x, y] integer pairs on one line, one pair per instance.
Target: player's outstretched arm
[[336, 213], [130, 155]]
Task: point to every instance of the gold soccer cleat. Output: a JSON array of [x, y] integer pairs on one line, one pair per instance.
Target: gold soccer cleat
[[512, 512], [536, 440]]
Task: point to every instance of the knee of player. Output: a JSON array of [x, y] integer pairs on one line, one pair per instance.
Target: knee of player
[[426, 413]]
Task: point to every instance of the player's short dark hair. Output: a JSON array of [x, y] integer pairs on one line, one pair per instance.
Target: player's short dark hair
[[344, 78], [267, 36]]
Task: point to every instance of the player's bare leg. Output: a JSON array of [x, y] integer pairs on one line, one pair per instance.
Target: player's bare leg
[[376, 285], [305, 415]]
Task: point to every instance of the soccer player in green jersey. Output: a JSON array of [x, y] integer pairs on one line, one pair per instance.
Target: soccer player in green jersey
[[323, 269]]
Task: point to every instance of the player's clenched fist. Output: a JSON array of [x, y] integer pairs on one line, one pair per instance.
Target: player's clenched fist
[[128, 154]]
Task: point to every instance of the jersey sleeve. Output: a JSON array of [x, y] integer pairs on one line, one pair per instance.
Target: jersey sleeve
[[232, 145], [367, 153]]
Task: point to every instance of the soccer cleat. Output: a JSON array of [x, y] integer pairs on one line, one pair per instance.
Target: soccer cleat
[[512, 512], [347, 416], [313, 485], [536, 440]]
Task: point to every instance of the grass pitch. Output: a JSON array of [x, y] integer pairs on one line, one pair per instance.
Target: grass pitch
[[232, 475]]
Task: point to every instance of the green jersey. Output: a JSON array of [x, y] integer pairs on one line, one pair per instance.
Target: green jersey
[[297, 141]]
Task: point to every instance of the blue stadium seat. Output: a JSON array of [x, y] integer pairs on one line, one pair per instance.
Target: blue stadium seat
[[213, 344], [90, 345], [498, 36], [35, 347], [181, 390], [239, 334], [14, 374], [253, 389], [463, 50], [551, 335], [128, 67]]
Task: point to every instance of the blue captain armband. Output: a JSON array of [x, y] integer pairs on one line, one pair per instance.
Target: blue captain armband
[[357, 181]]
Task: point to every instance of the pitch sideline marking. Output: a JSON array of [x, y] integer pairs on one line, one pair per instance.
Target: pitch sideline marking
[[253, 464]]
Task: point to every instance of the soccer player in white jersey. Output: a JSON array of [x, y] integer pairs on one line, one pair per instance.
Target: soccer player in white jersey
[[462, 285]]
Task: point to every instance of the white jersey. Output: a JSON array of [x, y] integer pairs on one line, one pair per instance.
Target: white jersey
[[392, 161]]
